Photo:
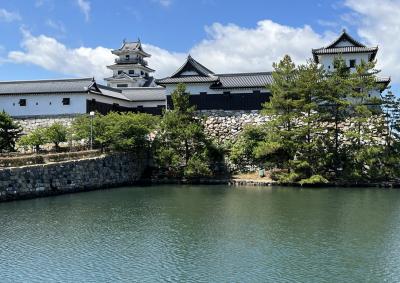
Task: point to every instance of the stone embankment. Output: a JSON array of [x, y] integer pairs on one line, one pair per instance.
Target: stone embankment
[[224, 125], [70, 176], [29, 124]]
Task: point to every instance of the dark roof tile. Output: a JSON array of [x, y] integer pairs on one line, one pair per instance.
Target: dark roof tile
[[46, 86]]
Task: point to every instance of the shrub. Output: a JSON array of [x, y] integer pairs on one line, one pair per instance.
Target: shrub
[[34, 139], [196, 168], [314, 179], [56, 133]]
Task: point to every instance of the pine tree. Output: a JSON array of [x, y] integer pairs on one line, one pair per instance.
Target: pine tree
[[335, 113], [9, 132], [181, 144], [284, 112], [310, 87]]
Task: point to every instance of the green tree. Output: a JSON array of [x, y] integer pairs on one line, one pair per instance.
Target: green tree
[[119, 131], [181, 145], [81, 130], [9, 132], [34, 139], [364, 134], [56, 133], [335, 113], [243, 151], [283, 109], [128, 131], [310, 87]]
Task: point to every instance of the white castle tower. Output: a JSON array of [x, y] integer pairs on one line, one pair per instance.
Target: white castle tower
[[353, 53], [130, 69]]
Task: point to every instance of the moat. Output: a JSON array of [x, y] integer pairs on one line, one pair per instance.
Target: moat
[[203, 234]]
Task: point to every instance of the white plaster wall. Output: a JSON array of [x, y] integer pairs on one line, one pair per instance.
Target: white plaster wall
[[108, 100], [344, 43], [327, 60], [40, 104]]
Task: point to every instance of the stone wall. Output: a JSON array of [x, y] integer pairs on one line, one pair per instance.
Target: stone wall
[[224, 125], [31, 123], [70, 176]]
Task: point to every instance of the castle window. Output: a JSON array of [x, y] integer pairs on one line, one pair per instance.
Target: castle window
[[127, 57], [256, 91], [37, 103], [352, 63], [66, 101], [122, 85], [142, 73], [131, 72], [119, 72], [22, 102]]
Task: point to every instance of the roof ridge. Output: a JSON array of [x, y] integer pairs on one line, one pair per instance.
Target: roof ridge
[[46, 80], [349, 38], [200, 68], [245, 73], [342, 47]]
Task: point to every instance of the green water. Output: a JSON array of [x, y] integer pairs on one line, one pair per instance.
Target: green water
[[203, 234]]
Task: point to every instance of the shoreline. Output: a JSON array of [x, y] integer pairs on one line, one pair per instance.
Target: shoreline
[[229, 182], [268, 183]]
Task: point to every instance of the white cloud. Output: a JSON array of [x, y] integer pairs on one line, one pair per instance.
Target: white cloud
[[85, 8], [230, 48], [49, 4], [165, 3], [52, 55], [236, 49], [379, 24], [163, 61], [7, 16], [57, 25]]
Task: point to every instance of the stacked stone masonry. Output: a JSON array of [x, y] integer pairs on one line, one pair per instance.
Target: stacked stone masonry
[[31, 123], [224, 125], [70, 176]]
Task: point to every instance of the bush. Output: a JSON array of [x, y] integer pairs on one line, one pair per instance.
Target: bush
[[34, 139], [197, 168], [119, 131], [56, 133], [313, 180], [243, 150]]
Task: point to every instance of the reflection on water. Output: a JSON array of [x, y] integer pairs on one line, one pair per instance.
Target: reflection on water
[[203, 234]]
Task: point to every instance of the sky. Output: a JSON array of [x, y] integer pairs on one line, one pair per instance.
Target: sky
[[43, 39]]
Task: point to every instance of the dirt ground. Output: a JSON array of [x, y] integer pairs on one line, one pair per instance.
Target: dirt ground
[[253, 176]]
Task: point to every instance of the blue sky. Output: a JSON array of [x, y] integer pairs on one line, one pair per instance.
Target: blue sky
[[70, 38]]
